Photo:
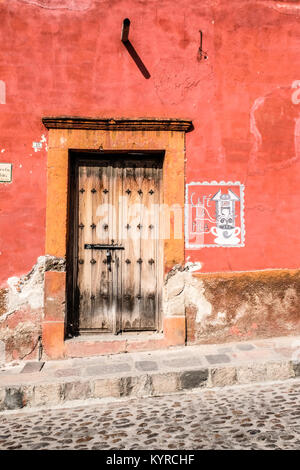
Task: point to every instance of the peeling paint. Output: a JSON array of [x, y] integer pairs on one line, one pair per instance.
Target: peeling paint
[[2, 352], [22, 308], [3, 301], [20, 341], [38, 146], [2, 92], [286, 151], [195, 296], [243, 305], [183, 290], [52, 263], [297, 137], [28, 290], [72, 5], [287, 7], [295, 97]]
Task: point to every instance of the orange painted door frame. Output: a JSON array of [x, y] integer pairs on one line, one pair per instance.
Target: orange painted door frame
[[92, 134]]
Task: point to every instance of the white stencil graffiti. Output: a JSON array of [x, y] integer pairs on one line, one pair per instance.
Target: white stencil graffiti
[[296, 93], [225, 231], [214, 214], [202, 213]]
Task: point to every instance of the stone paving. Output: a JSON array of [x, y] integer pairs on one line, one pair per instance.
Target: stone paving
[[260, 416], [148, 373]]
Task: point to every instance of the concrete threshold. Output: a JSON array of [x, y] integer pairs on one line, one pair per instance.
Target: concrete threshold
[[100, 345], [151, 373]]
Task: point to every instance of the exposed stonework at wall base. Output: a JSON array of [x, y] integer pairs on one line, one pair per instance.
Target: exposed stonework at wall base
[[19, 334], [3, 300], [242, 306], [21, 311], [215, 308]]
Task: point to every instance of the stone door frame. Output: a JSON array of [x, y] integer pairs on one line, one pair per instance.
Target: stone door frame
[[88, 134]]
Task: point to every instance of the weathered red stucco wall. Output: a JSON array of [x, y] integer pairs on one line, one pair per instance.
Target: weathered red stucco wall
[[65, 57]]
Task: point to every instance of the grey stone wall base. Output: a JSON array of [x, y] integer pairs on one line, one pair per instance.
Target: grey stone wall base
[[13, 397]]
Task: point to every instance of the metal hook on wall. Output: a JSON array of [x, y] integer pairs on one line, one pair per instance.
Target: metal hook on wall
[[131, 49], [125, 30], [201, 52]]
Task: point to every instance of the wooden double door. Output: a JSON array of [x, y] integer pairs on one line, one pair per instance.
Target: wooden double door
[[117, 251]]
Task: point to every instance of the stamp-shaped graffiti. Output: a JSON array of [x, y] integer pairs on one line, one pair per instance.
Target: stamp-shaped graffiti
[[214, 215]]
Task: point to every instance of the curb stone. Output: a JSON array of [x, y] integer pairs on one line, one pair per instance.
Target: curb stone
[[143, 385]]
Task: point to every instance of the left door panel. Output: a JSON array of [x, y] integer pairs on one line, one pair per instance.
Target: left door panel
[[98, 275]]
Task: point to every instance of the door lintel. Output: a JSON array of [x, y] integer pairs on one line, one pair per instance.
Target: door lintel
[[117, 124]]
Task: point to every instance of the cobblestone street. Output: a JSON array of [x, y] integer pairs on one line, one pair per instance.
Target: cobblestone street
[[249, 417]]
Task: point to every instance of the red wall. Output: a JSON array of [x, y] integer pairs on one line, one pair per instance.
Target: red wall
[[65, 57]]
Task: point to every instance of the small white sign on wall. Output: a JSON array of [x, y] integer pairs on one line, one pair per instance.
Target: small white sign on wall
[[5, 172]]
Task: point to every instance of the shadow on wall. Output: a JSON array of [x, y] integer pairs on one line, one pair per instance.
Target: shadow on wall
[[124, 38]]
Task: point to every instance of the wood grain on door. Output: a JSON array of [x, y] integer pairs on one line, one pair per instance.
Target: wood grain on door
[[118, 244]]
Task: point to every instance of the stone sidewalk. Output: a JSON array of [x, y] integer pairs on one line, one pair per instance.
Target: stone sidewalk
[[151, 373]]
